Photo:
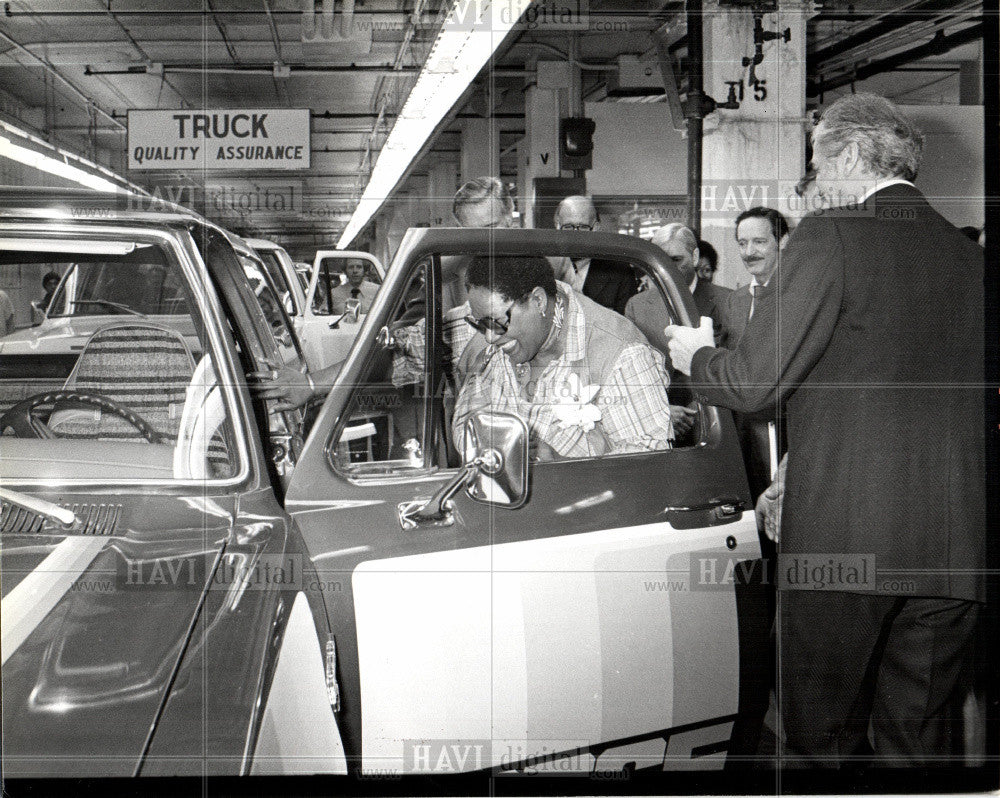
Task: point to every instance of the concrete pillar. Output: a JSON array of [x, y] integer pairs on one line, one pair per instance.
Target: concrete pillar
[[442, 184], [970, 81], [419, 210], [480, 148], [753, 155], [545, 103]]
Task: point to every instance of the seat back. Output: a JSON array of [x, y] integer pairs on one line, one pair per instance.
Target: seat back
[[142, 366]]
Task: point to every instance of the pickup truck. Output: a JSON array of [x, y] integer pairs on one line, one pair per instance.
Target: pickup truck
[[192, 588]]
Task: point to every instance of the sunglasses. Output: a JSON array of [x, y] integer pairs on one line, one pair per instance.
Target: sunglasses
[[583, 227], [495, 326]]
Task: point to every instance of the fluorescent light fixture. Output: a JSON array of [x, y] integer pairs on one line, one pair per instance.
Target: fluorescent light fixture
[[38, 160], [470, 35], [77, 247], [59, 166]]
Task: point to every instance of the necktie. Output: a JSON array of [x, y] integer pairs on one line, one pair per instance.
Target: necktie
[[753, 299]]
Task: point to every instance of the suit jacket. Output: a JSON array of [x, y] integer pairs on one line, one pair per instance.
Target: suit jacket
[[737, 313], [752, 428], [873, 341], [648, 312], [713, 300], [609, 283]]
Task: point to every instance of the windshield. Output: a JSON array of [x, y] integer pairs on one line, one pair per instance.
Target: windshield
[[140, 283], [336, 279], [119, 381], [269, 258]]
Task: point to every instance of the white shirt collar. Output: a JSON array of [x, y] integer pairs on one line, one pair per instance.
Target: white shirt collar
[[885, 183], [755, 282]]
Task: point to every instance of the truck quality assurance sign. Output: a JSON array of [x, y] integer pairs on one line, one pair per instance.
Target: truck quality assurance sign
[[231, 140]]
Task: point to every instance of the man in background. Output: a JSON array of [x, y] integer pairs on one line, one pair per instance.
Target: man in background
[[356, 287], [649, 313], [708, 261], [647, 308], [608, 283], [761, 234]]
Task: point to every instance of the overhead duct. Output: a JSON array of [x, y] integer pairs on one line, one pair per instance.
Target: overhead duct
[[938, 45]]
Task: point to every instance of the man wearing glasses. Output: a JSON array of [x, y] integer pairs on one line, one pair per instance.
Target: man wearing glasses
[[606, 282]]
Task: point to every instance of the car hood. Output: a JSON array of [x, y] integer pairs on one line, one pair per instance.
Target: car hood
[[93, 630]]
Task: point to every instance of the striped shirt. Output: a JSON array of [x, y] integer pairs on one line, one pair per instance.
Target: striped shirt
[[605, 362]]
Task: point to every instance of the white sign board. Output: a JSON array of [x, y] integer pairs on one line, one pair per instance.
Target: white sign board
[[229, 140]]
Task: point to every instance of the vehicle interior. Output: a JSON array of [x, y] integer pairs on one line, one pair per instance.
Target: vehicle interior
[[400, 416], [121, 361]]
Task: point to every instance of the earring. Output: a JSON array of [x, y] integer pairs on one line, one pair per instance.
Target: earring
[[541, 312]]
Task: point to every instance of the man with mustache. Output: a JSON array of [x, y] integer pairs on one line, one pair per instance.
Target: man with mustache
[[761, 234]]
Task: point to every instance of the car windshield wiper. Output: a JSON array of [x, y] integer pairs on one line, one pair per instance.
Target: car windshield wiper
[[108, 303], [41, 507]]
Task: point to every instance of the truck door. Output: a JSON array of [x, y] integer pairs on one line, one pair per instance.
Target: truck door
[[591, 629]]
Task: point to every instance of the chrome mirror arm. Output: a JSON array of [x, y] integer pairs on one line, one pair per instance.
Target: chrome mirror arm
[[437, 510]]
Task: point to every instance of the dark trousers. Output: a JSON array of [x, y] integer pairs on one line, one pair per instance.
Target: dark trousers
[[847, 661]]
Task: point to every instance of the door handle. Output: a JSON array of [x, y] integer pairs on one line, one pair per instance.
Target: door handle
[[727, 505], [725, 509]]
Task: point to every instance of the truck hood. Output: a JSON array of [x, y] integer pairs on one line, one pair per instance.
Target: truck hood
[[93, 630]]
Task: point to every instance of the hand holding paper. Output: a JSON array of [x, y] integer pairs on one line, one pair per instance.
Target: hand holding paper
[[685, 341]]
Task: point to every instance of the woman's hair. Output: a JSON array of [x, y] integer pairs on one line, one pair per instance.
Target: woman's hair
[[50, 277], [511, 277]]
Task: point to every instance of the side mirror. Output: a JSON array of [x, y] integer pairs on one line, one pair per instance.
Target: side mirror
[[495, 472], [37, 312], [351, 314], [353, 311], [498, 444]]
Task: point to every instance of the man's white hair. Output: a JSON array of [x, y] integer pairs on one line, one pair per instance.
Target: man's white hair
[[664, 235]]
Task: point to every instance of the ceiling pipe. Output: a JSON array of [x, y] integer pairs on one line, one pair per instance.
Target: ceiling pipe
[[347, 19], [888, 24], [275, 40], [936, 46], [903, 37], [326, 20], [250, 69], [308, 20], [87, 101]]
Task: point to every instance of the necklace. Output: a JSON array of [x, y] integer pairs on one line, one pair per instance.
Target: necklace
[[558, 313]]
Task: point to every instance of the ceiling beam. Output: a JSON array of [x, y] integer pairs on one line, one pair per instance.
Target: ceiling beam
[[937, 45], [909, 15]]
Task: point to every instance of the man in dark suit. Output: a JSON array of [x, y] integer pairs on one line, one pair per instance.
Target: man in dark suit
[[647, 310], [606, 282], [874, 341], [761, 234], [649, 313]]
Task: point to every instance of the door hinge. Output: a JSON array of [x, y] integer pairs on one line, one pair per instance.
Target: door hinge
[[332, 688]]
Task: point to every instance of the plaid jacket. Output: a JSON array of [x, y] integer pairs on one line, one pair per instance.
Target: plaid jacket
[[602, 352]]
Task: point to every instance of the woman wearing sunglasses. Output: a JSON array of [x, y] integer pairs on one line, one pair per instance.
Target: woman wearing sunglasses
[[583, 377]]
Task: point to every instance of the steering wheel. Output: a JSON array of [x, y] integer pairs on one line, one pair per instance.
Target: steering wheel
[[20, 419]]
